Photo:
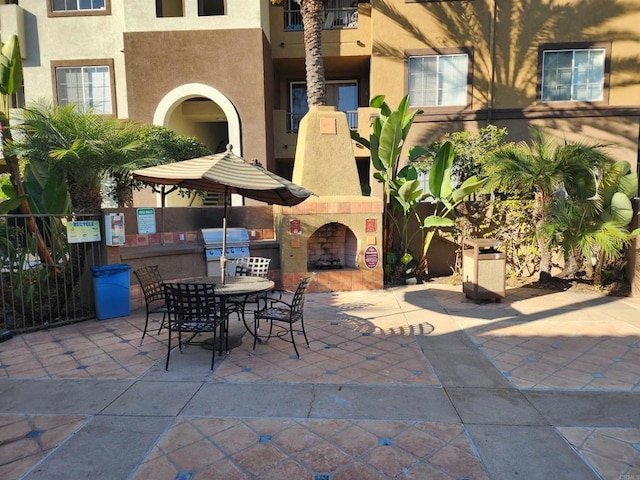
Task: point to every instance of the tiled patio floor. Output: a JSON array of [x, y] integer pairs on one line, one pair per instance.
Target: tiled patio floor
[[538, 340], [308, 449]]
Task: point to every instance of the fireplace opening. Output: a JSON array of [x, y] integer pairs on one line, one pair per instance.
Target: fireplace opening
[[332, 246]]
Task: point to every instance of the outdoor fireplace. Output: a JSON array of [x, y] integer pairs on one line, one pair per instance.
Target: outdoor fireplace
[[333, 246], [338, 232]]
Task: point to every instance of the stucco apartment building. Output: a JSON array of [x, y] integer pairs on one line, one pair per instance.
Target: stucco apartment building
[[232, 71]]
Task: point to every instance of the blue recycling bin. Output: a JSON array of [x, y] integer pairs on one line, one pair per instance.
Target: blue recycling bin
[[111, 289]]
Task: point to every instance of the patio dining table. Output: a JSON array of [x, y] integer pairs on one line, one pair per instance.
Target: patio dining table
[[233, 287]]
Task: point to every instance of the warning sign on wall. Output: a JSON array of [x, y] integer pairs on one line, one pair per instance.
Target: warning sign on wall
[[371, 257], [295, 226]]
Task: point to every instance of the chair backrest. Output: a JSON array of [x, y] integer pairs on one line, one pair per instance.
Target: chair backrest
[[189, 303], [297, 303], [151, 283], [253, 266]]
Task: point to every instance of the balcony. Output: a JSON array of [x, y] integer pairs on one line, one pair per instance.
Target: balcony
[[335, 17], [343, 35], [293, 120]]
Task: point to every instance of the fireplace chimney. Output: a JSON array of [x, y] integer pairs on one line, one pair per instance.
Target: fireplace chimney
[[325, 163]]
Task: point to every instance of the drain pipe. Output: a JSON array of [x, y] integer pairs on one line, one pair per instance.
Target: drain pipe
[[492, 55]]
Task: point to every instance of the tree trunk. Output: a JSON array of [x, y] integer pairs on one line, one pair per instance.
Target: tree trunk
[[544, 244], [16, 181], [312, 12]]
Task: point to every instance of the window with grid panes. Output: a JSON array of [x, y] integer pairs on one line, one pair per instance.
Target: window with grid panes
[[438, 80], [573, 75], [89, 87], [76, 5]]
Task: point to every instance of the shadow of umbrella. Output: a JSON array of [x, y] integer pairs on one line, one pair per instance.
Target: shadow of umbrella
[[226, 173]]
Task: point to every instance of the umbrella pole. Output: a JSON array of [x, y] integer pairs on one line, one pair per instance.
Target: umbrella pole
[[223, 257]]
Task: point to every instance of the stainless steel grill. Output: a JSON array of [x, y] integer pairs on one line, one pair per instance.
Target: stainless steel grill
[[237, 247]]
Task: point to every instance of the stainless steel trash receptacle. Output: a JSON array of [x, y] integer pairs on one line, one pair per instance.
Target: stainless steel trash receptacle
[[483, 269]]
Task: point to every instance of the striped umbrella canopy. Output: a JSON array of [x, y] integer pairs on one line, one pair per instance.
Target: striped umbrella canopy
[[225, 173]]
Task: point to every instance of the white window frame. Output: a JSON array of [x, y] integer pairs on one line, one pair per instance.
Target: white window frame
[[577, 79], [84, 98], [437, 88], [79, 6]]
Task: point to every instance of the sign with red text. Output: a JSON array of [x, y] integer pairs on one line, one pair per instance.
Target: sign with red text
[[370, 225]]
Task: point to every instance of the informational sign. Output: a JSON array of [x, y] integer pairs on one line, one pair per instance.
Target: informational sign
[[370, 225], [146, 220], [85, 231], [295, 226], [114, 229], [371, 257]]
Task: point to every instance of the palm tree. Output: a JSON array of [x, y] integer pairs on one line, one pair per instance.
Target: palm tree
[[82, 145], [594, 229], [546, 168], [312, 12]]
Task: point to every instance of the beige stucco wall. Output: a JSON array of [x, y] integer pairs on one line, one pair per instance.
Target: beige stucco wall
[[208, 58], [65, 38], [398, 26], [141, 16]]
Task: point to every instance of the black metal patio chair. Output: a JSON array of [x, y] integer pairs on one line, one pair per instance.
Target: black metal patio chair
[[238, 304], [288, 317], [152, 286], [194, 309]]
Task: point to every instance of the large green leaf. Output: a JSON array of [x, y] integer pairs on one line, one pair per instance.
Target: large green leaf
[[408, 194], [360, 139], [10, 67], [375, 153], [440, 173], [390, 139], [10, 204], [416, 152], [628, 185], [378, 102], [621, 209], [408, 172], [469, 186], [434, 221]]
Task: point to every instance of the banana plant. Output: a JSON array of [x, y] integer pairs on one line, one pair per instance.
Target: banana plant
[[386, 142], [445, 197], [10, 83]]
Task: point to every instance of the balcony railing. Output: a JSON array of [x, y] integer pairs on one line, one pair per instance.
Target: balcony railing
[[334, 18], [293, 123]]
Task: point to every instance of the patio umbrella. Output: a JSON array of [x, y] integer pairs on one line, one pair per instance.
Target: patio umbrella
[[225, 173]]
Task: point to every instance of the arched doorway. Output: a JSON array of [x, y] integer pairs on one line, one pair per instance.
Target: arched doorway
[[200, 111]]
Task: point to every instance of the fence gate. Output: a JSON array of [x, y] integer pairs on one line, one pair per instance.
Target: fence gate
[[45, 275]]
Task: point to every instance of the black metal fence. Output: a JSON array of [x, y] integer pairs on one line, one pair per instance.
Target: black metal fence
[[45, 275]]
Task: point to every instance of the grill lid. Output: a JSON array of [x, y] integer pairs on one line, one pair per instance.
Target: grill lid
[[236, 237]]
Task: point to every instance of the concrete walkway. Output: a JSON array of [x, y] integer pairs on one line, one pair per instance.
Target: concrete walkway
[[412, 382]]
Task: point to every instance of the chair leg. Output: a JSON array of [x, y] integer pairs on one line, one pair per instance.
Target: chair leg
[[255, 329], [213, 349], [293, 340], [162, 323], [146, 324], [304, 332], [166, 367]]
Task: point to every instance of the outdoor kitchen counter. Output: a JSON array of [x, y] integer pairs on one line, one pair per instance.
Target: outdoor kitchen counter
[[129, 253]]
